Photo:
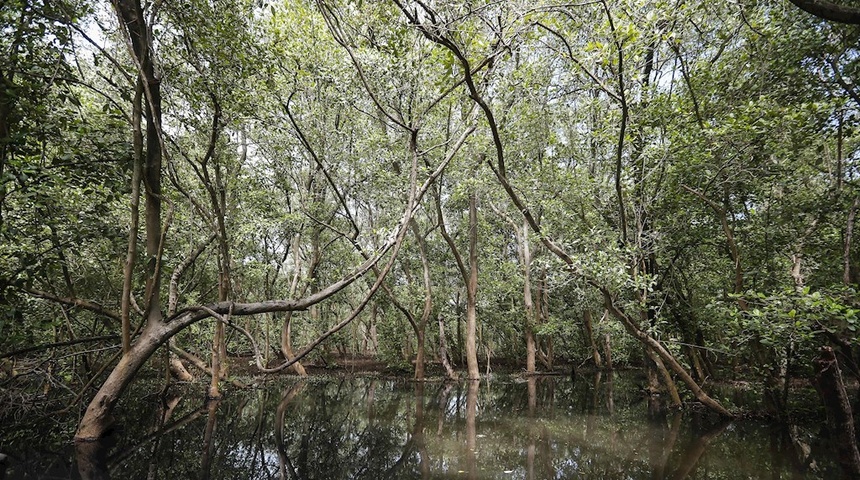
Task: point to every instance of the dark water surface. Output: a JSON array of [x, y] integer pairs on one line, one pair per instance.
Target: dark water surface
[[371, 428]]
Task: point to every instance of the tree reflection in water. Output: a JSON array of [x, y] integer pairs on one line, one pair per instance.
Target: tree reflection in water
[[370, 428]]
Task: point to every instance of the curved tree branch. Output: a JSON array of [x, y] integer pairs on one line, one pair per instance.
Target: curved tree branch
[[829, 11]]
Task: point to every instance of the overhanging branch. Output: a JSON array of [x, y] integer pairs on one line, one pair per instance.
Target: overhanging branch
[[829, 11]]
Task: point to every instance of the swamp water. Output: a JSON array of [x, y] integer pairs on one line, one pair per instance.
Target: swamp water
[[597, 427]]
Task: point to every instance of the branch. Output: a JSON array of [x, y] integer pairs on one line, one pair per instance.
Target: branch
[[625, 114], [199, 364], [305, 143], [579, 64], [48, 346], [75, 302], [173, 296], [829, 11], [730, 240], [189, 316], [338, 35], [844, 84]]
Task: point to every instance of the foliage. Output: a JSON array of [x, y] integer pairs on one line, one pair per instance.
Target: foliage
[[697, 164]]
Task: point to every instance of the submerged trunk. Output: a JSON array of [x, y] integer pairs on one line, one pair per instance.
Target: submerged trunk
[[209, 451], [97, 419], [471, 428]]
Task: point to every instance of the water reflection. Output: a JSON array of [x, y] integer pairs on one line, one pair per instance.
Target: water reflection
[[287, 470], [369, 428]]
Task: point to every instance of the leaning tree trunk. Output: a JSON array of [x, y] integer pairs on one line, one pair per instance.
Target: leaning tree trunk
[[97, 418]]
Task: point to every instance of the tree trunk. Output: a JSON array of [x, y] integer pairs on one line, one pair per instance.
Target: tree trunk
[[666, 377], [374, 339], [443, 349], [428, 302], [840, 420], [531, 349], [849, 236], [526, 260], [287, 345], [97, 419], [532, 314], [589, 333], [607, 350], [217, 341], [134, 223], [547, 354], [209, 450], [651, 374], [698, 369], [218, 198], [472, 291], [286, 326]]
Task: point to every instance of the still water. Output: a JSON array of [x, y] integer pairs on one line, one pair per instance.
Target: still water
[[372, 428]]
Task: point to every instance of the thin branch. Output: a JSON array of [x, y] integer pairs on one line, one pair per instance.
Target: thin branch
[[75, 302], [49, 346], [173, 295], [579, 64], [338, 35]]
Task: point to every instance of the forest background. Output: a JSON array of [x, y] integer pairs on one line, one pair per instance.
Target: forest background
[[668, 185]]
